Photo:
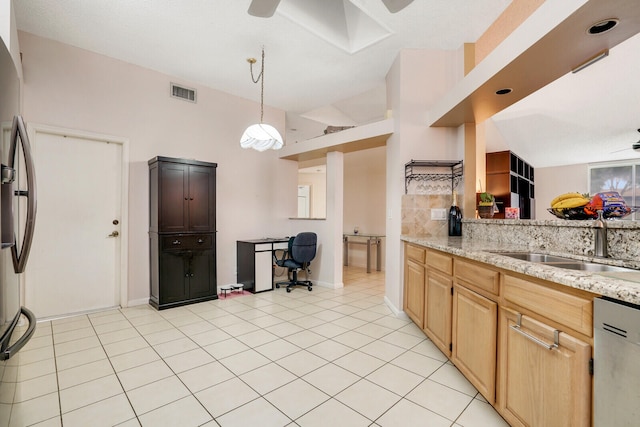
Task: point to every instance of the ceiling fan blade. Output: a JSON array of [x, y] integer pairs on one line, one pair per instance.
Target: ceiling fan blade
[[263, 8], [620, 151], [395, 5]]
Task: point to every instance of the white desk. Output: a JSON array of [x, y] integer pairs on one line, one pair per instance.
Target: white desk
[[364, 239], [255, 262]]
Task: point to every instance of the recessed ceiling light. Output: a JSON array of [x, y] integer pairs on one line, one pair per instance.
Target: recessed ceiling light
[[603, 26], [504, 91]]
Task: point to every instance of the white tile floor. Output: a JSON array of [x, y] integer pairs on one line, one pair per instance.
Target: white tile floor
[[320, 358]]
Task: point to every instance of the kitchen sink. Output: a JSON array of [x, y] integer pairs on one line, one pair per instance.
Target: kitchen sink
[[564, 262], [535, 257], [590, 266]]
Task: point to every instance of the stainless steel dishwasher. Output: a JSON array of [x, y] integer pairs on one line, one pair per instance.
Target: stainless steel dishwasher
[[616, 363]]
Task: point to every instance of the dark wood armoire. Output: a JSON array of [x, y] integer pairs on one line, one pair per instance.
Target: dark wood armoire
[[182, 231]]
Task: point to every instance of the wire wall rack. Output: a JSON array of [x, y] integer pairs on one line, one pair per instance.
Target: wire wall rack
[[433, 170]]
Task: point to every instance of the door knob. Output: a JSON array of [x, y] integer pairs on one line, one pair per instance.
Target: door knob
[[114, 234]]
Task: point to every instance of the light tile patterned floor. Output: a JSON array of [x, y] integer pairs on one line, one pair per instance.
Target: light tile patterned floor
[[320, 358]]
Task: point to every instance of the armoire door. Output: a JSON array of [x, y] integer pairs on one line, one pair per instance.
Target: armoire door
[[173, 194], [202, 273], [202, 198], [174, 283]]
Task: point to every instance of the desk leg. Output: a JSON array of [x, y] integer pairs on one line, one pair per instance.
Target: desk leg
[[368, 255], [345, 251], [378, 253]]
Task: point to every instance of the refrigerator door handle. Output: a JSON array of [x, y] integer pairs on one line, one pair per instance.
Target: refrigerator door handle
[[21, 254], [16, 346]]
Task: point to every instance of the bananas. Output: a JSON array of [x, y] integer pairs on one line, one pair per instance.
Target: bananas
[[569, 200]]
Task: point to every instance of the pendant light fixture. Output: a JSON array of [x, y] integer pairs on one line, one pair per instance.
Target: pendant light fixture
[[260, 136]]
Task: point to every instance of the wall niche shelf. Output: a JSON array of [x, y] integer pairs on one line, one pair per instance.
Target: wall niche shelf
[[433, 171]]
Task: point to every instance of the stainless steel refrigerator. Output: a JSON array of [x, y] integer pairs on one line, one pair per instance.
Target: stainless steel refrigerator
[[17, 211]]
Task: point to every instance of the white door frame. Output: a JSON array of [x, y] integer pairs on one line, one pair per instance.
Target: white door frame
[[33, 129]]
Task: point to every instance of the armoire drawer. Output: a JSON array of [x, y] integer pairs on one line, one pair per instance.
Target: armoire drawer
[[187, 241]]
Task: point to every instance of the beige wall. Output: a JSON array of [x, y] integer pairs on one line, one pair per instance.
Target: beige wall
[[365, 198], [551, 182], [416, 81], [256, 192]]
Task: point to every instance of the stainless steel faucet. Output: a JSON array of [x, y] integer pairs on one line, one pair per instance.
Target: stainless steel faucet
[[600, 237]]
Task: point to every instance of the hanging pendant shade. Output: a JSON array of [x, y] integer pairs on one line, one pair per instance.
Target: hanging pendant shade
[[261, 136]]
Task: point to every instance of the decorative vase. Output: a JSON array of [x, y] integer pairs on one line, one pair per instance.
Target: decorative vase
[[485, 211]]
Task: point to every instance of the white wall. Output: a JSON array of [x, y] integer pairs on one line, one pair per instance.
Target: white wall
[[551, 182], [416, 81], [256, 192]]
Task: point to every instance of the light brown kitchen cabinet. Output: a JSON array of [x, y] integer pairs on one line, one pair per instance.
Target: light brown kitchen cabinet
[[524, 343], [437, 318], [438, 299], [474, 339], [543, 374], [414, 283], [414, 292], [573, 310]]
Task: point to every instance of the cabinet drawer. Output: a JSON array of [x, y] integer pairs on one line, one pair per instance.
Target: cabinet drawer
[[281, 245], [263, 247], [440, 261], [570, 310], [181, 242], [478, 276], [416, 253]]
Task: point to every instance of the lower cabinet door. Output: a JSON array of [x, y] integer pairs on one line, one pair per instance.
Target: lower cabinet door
[[544, 376], [201, 274], [414, 292], [264, 271], [474, 339], [174, 285], [437, 317]]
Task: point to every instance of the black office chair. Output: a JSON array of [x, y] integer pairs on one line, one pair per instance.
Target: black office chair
[[301, 251]]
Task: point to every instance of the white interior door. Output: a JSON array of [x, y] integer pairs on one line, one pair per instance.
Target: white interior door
[[74, 264]]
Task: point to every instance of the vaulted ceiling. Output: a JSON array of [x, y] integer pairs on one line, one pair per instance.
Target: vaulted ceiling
[[328, 66]]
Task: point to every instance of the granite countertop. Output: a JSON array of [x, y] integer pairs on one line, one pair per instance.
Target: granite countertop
[[624, 286]]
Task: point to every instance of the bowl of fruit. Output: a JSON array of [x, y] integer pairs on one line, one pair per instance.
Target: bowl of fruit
[[579, 206]]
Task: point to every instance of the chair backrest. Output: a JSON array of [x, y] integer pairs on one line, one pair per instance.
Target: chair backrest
[[303, 249]]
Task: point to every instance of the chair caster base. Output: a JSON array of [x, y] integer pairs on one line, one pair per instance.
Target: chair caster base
[[288, 289]]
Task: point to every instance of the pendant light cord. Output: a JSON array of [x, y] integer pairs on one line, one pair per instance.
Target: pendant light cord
[[261, 78]]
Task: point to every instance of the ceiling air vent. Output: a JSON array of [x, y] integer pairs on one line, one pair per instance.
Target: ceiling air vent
[[183, 92]]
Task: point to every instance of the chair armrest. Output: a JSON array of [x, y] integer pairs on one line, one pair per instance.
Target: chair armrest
[[285, 255]]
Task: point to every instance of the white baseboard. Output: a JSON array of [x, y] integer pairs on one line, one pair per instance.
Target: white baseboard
[[396, 312], [141, 301], [328, 285]]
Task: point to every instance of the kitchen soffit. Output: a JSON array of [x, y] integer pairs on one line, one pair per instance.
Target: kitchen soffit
[[553, 55]]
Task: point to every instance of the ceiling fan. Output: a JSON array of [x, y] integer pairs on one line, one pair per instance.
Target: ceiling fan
[[266, 8], [634, 146]]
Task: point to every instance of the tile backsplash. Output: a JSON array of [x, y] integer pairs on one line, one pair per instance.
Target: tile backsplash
[[416, 214]]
